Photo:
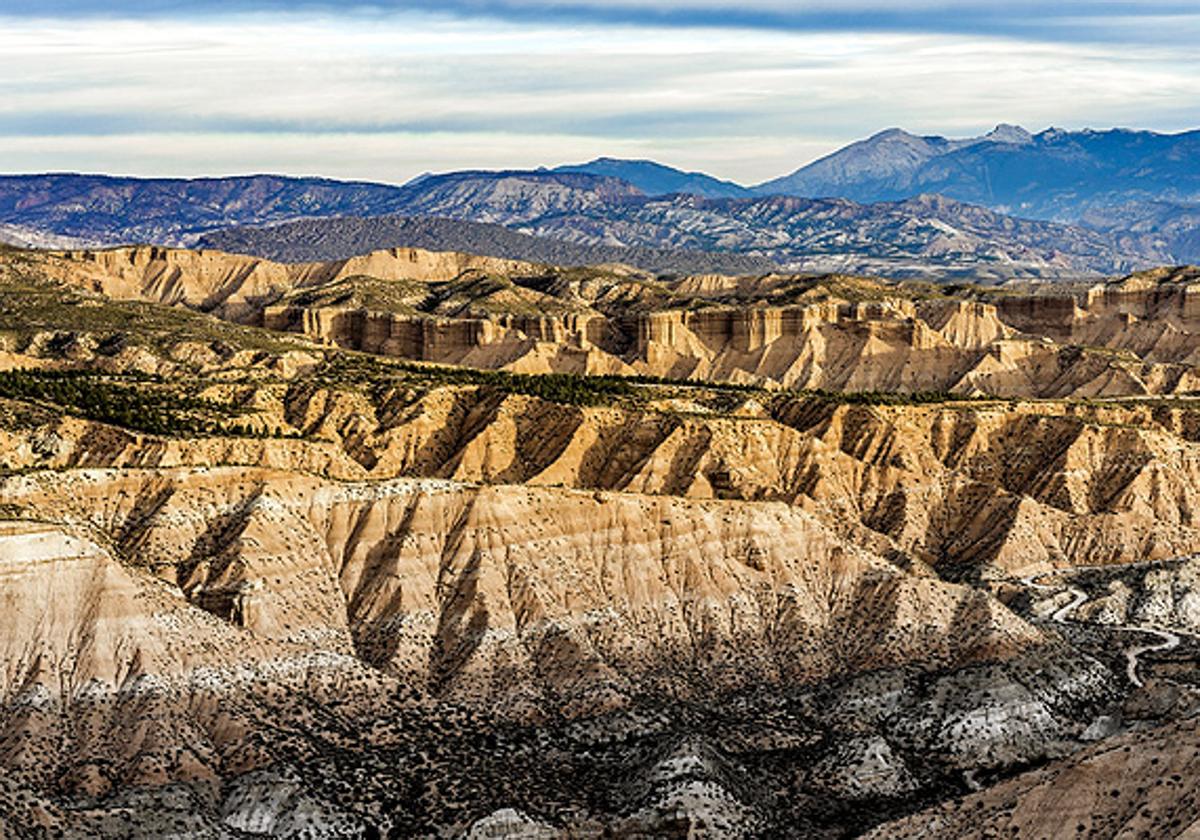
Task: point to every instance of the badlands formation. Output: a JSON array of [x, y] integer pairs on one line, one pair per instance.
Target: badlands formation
[[420, 544]]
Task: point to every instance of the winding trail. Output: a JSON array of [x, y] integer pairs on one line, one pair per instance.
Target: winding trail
[[1168, 641], [1063, 615]]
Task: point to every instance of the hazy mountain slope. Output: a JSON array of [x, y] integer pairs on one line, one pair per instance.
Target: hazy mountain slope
[[1134, 182], [1064, 174], [107, 210], [23, 237], [515, 196], [913, 237], [331, 239], [880, 168], [1176, 226], [1052, 174], [923, 235], [656, 179]]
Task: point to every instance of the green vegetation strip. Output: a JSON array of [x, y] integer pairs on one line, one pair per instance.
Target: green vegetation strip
[[568, 388], [133, 401], [154, 405], [591, 390]]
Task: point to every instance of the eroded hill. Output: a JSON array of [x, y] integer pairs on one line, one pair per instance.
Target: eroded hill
[[1129, 337], [264, 583]]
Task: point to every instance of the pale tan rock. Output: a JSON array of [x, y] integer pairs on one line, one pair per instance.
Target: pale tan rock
[[1133, 337]]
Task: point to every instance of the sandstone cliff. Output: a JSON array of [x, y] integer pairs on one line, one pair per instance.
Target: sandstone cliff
[[259, 582], [1133, 337]]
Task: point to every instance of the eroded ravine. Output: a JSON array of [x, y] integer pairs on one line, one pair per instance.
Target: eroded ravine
[[1168, 640], [253, 580]]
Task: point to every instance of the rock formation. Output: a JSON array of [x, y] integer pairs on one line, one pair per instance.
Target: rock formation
[[848, 556], [1132, 337]]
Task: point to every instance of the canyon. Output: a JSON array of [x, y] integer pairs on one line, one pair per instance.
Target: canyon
[[1135, 336], [435, 544]]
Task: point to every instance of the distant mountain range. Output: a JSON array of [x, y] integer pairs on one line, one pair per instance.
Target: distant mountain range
[[1054, 174], [922, 235], [1011, 203], [106, 210], [1119, 180], [886, 166]]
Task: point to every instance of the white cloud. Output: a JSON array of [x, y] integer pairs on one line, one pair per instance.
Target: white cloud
[[387, 157], [389, 96]]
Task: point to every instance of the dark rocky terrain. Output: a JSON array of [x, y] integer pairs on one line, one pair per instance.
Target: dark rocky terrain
[[100, 209], [312, 240]]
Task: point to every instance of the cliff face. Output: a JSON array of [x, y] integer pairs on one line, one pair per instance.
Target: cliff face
[[1134, 337], [964, 347], [259, 583], [473, 593]]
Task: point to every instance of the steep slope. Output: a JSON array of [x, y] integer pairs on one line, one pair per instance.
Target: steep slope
[[501, 595], [1137, 785], [656, 179], [335, 239], [260, 585]]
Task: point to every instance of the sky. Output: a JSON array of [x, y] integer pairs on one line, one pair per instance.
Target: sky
[[385, 91]]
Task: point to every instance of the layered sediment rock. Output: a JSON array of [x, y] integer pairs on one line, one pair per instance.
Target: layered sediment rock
[[323, 593], [975, 490], [1132, 337], [480, 591], [237, 286], [228, 597]]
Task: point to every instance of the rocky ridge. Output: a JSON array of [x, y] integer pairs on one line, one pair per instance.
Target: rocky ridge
[[1136, 184], [1130, 337], [920, 235], [262, 584]]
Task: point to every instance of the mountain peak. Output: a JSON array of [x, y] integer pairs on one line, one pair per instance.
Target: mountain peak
[[1008, 133], [607, 160], [893, 134], [1112, 179], [654, 178]]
